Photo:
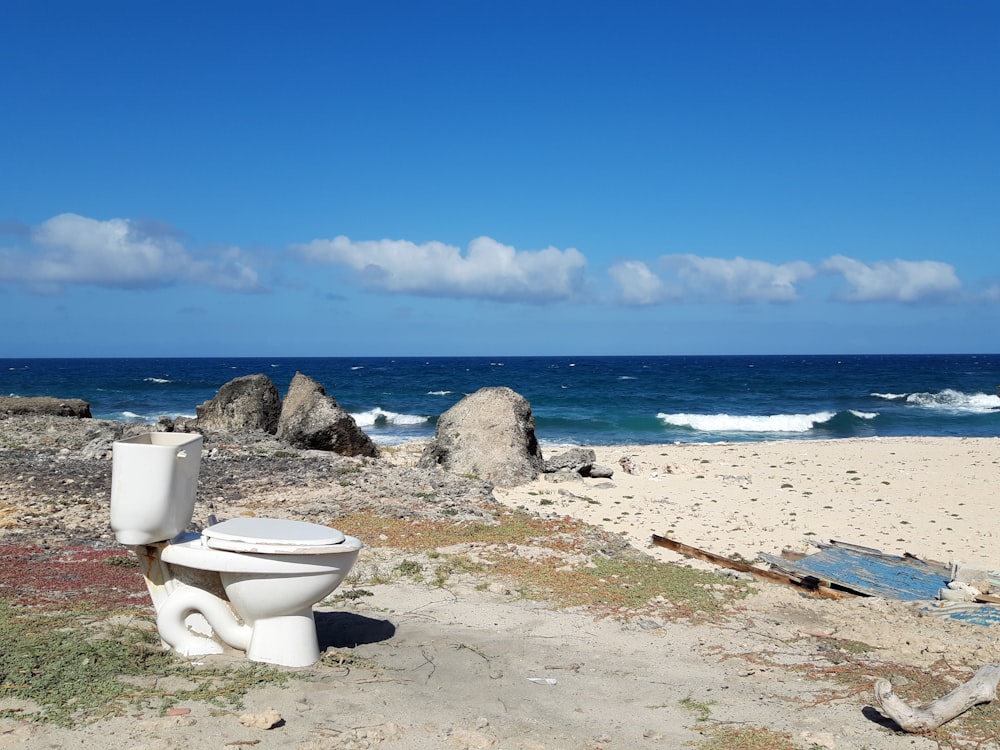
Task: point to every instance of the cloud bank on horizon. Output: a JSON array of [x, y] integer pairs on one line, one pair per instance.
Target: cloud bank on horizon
[[70, 250]]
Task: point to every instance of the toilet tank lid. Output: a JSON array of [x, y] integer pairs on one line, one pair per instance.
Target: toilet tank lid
[[274, 531]]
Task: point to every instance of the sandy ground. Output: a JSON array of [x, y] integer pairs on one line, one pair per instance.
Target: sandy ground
[[476, 666], [932, 497]]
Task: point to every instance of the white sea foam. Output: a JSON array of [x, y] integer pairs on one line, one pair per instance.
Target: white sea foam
[[748, 423], [952, 400], [438, 393], [889, 396], [864, 414], [157, 380], [131, 415], [379, 416]]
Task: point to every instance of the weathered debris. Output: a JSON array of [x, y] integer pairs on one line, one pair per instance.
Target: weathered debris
[[871, 572], [866, 571], [982, 688], [810, 584]]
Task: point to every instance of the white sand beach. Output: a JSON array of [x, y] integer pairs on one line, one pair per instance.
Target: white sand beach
[[932, 497]]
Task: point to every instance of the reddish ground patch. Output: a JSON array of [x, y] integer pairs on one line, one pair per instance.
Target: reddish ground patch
[[62, 576]]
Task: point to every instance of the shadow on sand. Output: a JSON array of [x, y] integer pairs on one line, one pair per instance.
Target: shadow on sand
[[348, 630]]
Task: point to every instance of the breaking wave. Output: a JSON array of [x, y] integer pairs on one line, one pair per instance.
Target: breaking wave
[[756, 423], [379, 417], [946, 400]]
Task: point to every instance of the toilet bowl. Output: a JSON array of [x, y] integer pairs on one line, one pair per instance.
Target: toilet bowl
[[249, 583]]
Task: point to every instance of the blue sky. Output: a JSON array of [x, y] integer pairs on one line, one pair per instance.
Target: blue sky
[[499, 178]]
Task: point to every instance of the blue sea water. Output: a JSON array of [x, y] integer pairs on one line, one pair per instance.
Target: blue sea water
[[575, 400]]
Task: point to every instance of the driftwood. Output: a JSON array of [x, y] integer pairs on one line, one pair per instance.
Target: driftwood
[[982, 688]]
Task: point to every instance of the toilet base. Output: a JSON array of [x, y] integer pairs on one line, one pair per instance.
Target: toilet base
[[289, 640]]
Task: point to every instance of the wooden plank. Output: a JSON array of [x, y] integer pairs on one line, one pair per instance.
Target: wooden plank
[[809, 584]]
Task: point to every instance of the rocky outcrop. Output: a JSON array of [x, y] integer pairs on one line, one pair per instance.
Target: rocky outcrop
[[44, 406], [251, 402], [311, 419], [490, 435]]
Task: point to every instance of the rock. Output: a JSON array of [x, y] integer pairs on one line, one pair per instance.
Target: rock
[[489, 434], [268, 719], [249, 402], [573, 459], [579, 461], [311, 419], [599, 471], [45, 406], [103, 439]]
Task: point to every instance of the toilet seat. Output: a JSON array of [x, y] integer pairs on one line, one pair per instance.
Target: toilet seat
[[273, 536]]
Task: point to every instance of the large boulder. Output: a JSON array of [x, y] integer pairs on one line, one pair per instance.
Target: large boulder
[[490, 435], [251, 402], [311, 419], [44, 406]]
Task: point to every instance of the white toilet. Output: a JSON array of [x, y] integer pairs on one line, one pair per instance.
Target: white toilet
[[250, 583]]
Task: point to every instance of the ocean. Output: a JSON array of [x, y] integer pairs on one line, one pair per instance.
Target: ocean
[[575, 400]]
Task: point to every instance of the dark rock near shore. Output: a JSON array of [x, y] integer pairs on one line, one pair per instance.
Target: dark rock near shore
[[574, 459], [45, 406], [312, 419], [489, 434], [249, 402]]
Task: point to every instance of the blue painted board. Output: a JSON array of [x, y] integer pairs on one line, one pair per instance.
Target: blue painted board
[[890, 577], [872, 573]]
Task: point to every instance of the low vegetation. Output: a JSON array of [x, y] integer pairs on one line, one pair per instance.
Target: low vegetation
[[71, 666], [559, 560]]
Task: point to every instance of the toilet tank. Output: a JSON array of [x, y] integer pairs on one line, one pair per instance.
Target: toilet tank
[[154, 479]]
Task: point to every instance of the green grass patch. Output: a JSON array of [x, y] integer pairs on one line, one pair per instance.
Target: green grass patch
[[701, 709], [75, 668]]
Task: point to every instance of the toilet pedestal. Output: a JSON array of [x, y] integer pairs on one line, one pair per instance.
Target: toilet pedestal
[[289, 640]]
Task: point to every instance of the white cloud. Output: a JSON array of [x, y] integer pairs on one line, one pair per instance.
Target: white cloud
[[117, 253], [691, 277], [894, 281], [637, 285], [487, 270]]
